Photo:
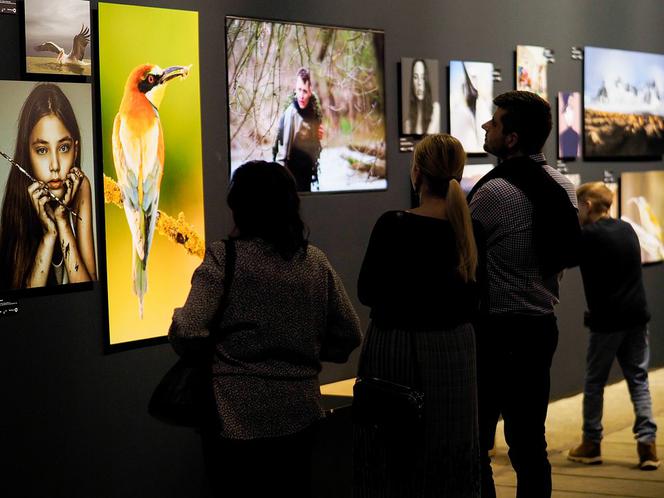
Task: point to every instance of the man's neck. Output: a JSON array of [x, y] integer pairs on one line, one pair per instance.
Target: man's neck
[[538, 156], [513, 155]]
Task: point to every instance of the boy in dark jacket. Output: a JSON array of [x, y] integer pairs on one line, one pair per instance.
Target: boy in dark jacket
[[617, 317]]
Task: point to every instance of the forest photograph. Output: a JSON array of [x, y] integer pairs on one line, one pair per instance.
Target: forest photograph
[[310, 98]]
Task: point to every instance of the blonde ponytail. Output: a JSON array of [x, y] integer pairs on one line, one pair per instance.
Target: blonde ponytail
[[459, 217], [439, 158]]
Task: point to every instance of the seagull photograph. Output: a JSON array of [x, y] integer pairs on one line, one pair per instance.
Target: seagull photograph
[[57, 37]]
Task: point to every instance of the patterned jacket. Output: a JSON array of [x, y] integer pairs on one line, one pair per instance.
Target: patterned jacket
[[282, 319]]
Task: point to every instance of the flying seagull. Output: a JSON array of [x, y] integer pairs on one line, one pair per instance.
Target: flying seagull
[[81, 41]]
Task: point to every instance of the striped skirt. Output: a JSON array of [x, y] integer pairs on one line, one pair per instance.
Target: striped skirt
[[442, 459]]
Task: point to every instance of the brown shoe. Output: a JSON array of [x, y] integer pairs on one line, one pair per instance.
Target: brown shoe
[[647, 456], [587, 452]]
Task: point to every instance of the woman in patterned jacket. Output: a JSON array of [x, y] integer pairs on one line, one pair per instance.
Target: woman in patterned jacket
[[286, 311]]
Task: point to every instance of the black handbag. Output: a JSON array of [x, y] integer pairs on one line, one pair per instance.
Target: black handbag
[[184, 396], [387, 404]]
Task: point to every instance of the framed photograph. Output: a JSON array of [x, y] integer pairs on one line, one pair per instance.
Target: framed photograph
[[569, 125], [623, 98], [642, 205], [7, 7], [420, 103], [310, 98], [531, 67], [471, 102], [153, 174], [57, 38], [48, 237], [473, 173]]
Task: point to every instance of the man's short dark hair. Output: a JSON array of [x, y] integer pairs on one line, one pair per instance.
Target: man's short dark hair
[[529, 116], [304, 74]]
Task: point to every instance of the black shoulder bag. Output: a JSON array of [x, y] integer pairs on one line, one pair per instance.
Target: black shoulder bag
[[383, 403], [184, 395]]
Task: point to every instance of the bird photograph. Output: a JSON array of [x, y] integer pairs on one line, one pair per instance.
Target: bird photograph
[[138, 156], [152, 157], [73, 60], [57, 37]]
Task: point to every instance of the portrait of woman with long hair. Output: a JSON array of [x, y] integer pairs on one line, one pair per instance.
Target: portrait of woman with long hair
[[42, 241], [421, 116]]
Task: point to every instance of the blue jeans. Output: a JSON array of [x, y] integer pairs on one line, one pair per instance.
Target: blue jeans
[[632, 350]]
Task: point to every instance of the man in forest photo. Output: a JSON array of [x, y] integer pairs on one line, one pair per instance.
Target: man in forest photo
[[298, 143]]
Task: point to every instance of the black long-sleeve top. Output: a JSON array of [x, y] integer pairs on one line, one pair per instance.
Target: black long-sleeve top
[[409, 276], [612, 277]]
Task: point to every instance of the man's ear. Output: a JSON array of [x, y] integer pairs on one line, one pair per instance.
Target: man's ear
[[512, 140]]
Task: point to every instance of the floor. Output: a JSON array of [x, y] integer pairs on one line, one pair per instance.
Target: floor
[[618, 475]]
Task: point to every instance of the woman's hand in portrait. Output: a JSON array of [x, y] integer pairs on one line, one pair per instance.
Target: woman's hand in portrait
[[75, 247], [41, 266], [40, 201], [72, 183]]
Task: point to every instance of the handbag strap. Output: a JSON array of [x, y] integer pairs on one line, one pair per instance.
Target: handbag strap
[[416, 365], [413, 356], [229, 272]]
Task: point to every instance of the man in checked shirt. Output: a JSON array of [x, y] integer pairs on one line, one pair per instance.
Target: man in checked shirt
[[529, 232]]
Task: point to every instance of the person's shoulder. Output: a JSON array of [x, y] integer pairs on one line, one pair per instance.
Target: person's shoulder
[[394, 214], [216, 247], [592, 231], [625, 227], [559, 177], [315, 253], [391, 218], [604, 224], [315, 257], [290, 108], [215, 254], [496, 190], [495, 184], [604, 229]]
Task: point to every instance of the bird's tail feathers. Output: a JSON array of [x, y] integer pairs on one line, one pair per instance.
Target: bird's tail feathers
[[140, 278]]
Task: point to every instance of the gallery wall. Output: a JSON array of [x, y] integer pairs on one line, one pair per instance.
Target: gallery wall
[[73, 421]]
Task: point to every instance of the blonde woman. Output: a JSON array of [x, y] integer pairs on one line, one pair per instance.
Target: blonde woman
[[419, 278]]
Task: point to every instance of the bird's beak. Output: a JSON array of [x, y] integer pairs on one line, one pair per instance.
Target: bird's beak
[[173, 72]]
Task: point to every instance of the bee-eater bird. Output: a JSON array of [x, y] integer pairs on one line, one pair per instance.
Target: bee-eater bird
[[138, 154]]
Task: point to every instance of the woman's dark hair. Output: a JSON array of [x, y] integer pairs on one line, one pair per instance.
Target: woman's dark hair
[[20, 228], [265, 205], [427, 102]]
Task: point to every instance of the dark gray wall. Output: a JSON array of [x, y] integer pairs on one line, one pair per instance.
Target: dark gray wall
[[73, 419]]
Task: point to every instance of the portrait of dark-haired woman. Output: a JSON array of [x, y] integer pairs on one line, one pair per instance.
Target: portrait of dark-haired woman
[[420, 106]]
